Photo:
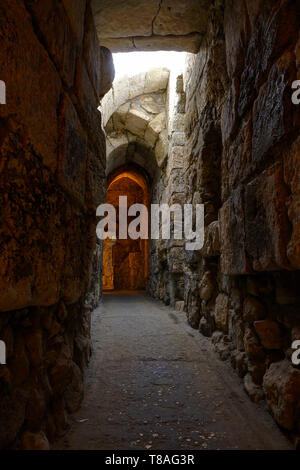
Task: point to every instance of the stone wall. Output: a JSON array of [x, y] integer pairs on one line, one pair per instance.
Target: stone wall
[[242, 162], [52, 178]]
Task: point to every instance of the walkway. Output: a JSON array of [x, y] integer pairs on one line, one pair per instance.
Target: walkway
[[154, 383]]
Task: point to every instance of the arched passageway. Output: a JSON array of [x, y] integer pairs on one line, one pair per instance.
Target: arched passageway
[[125, 261]]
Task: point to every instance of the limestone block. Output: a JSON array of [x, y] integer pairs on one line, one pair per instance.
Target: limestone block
[[277, 31], [124, 19], [136, 122], [35, 89], [58, 36], [120, 93], [253, 310], [182, 17], [266, 221], [156, 79], [92, 52], [269, 334], [211, 246], [154, 128], [119, 117], [95, 182], [190, 43], [73, 152], [236, 34], [282, 388], [207, 286], [161, 149], [253, 348], [221, 312], [151, 108], [136, 85], [76, 14], [273, 110], [232, 235], [292, 179], [88, 101]]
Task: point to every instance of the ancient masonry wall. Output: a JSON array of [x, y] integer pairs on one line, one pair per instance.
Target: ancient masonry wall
[[52, 178], [242, 161]]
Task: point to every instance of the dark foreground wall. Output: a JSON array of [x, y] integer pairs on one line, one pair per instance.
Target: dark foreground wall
[[52, 178]]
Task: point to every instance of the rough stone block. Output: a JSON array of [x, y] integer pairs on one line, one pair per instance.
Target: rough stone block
[[76, 13], [273, 109], [282, 388], [232, 235], [33, 85], [73, 152], [292, 179], [269, 334], [267, 231], [58, 36], [221, 312]]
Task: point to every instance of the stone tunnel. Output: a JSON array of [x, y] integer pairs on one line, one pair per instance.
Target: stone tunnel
[[222, 130]]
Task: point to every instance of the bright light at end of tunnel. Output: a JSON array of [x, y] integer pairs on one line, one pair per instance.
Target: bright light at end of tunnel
[[132, 63]]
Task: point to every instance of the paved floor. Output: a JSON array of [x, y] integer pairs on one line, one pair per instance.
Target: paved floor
[[154, 383]]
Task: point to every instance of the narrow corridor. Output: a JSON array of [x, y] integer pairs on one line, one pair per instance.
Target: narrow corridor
[[154, 383]]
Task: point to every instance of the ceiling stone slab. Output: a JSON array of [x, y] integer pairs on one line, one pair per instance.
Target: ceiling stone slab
[[181, 17], [124, 18], [130, 25], [188, 43]]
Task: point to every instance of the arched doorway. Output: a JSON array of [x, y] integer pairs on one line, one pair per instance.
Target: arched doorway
[[125, 261]]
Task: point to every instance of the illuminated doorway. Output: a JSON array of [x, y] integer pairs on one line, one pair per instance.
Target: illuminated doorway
[[125, 262]]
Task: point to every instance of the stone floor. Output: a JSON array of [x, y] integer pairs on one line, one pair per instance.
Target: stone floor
[[154, 383]]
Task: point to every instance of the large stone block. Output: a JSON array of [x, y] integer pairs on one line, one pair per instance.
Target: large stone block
[[87, 105], [234, 258], [276, 31], [32, 83], [229, 111], [221, 312], [92, 52], [58, 36], [267, 231], [292, 179], [155, 127], [72, 152], [237, 159], [236, 34], [269, 334], [136, 122], [273, 109], [181, 17], [76, 13], [282, 388]]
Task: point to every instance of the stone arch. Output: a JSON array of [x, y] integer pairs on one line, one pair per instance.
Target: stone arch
[[127, 88], [135, 120]]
